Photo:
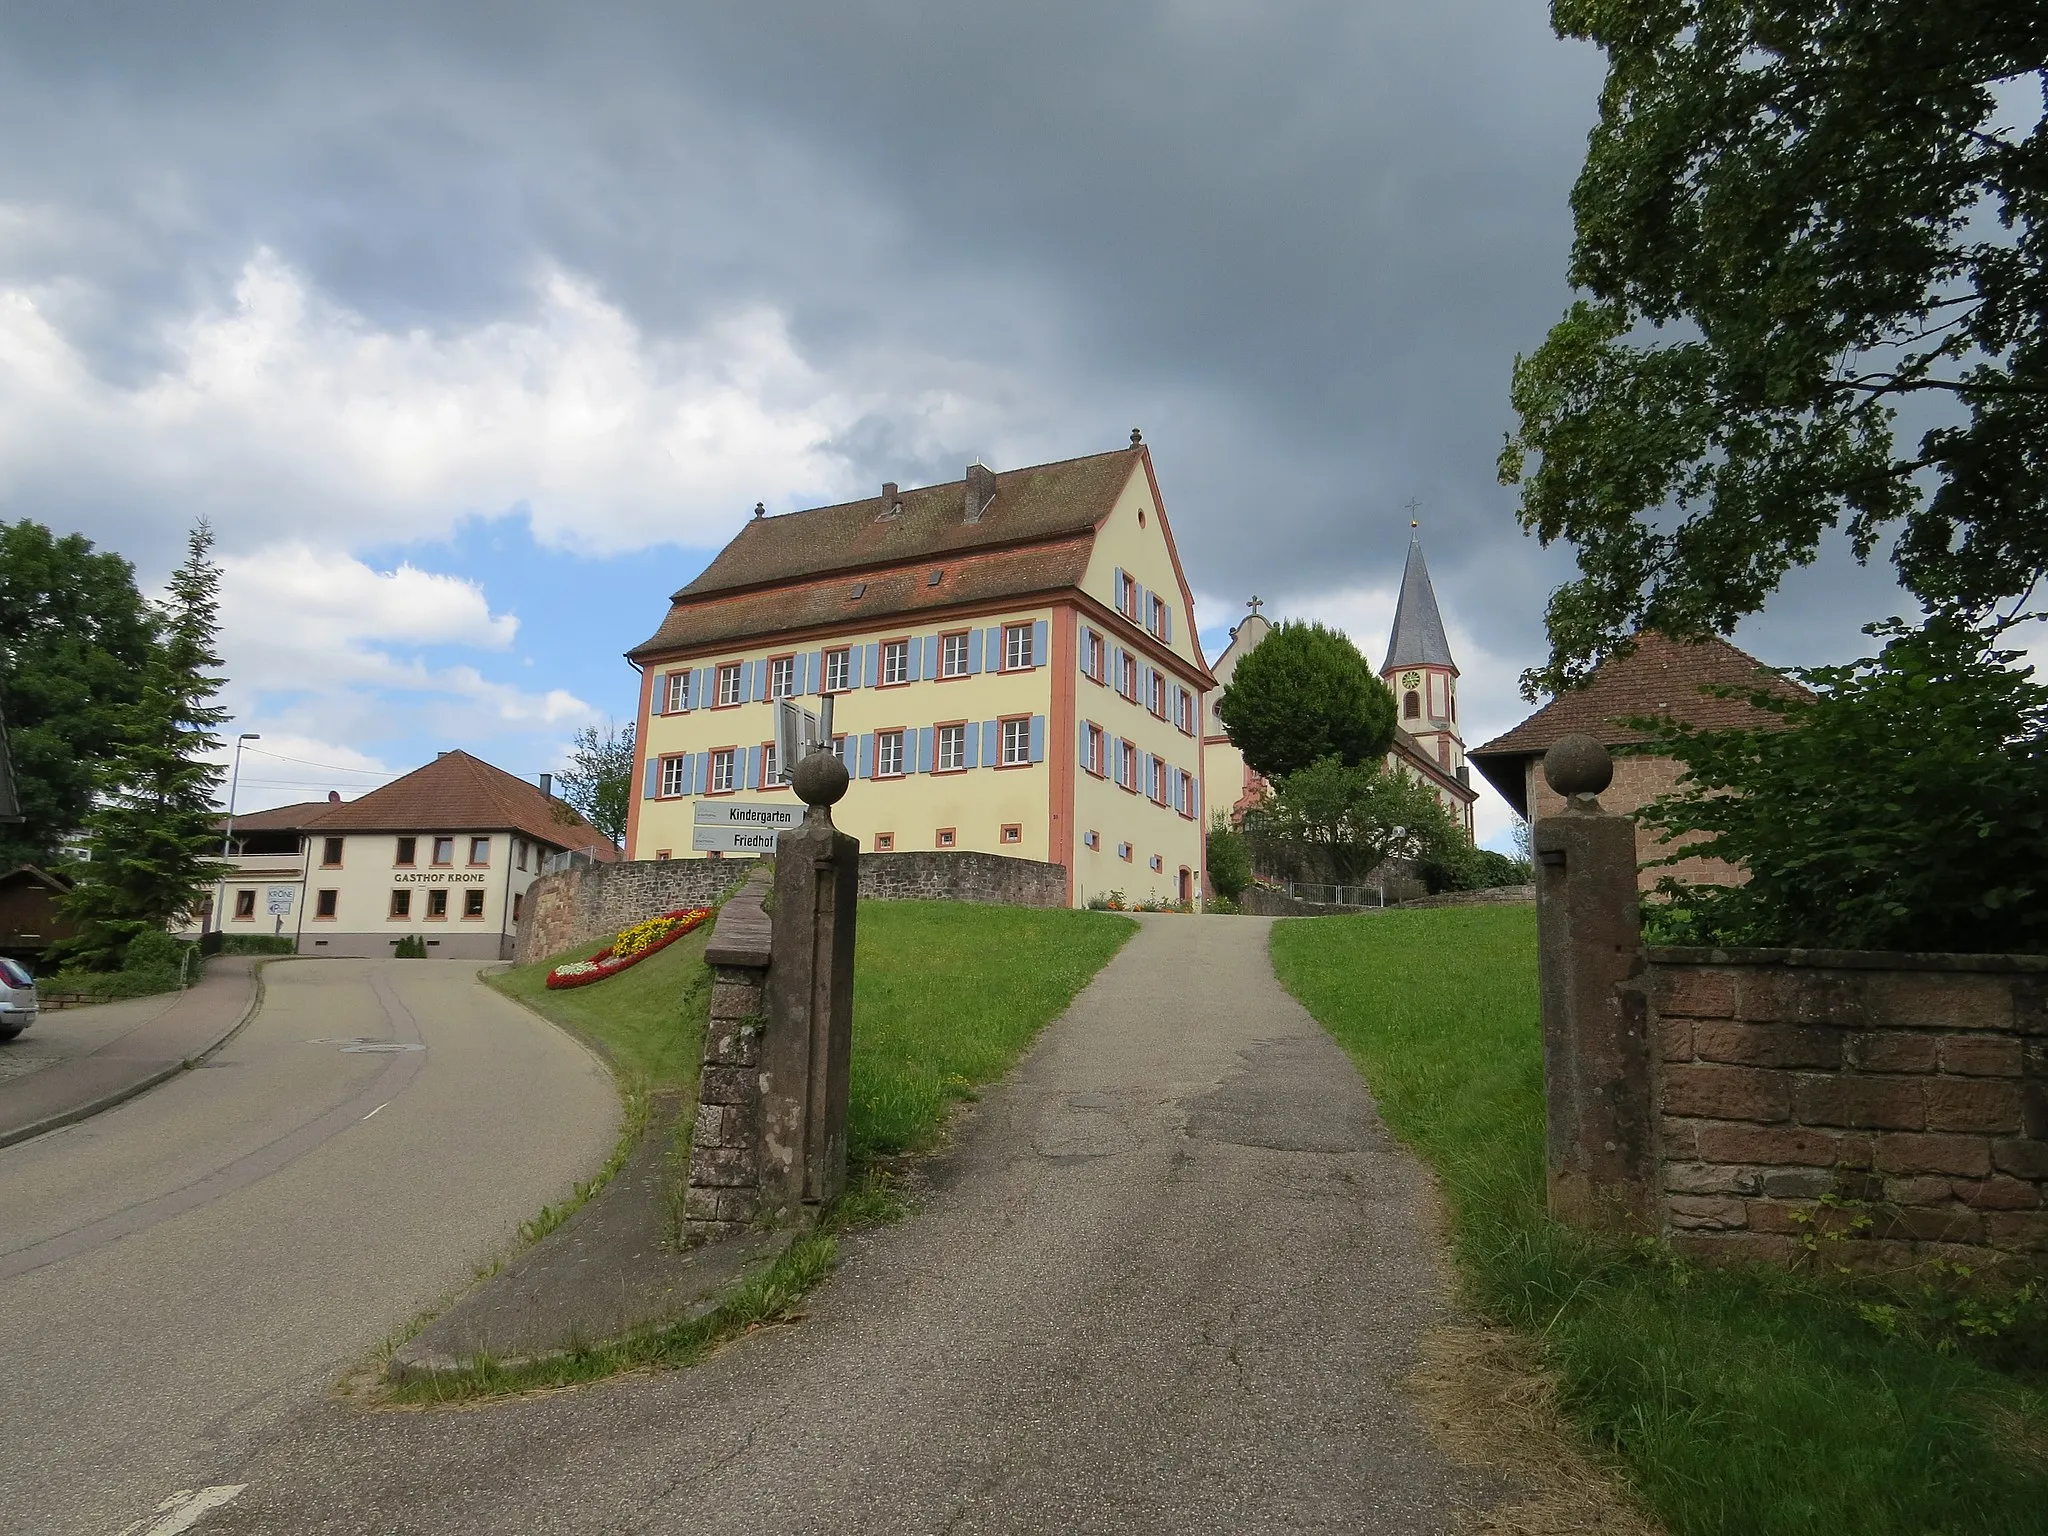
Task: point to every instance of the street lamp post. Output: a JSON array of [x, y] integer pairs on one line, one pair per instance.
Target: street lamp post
[[220, 890]]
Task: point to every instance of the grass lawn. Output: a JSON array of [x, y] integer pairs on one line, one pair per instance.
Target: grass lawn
[[648, 1020], [1740, 1403]]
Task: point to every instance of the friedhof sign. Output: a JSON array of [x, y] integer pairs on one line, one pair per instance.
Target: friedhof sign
[[733, 839]]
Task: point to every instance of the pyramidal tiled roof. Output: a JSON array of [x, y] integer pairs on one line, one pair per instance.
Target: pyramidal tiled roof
[[1418, 638], [456, 793]]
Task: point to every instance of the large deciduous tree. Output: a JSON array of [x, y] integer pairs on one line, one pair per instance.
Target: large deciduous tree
[[1793, 219], [74, 640], [1302, 694], [599, 778], [155, 830]]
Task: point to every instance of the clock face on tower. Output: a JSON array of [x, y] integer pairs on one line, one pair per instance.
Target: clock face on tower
[[1411, 679]]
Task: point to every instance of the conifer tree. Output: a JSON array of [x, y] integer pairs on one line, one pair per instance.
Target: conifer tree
[[156, 826]]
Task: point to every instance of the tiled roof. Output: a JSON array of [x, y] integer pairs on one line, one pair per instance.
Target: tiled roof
[[979, 577], [1041, 502], [1661, 677], [453, 793], [280, 818], [1418, 637]]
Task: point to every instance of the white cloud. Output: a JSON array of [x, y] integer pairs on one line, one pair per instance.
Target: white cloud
[[320, 648], [286, 407]]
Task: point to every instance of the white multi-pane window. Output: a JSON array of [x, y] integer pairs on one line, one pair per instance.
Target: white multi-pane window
[[1127, 596], [675, 778], [1091, 654], [1156, 619], [1187, 794], [953, 656], [1158, 787], [1126, 765], [678, 694], [896, 662], [1092, 760], [838, 671], [782, 678], [1016, 741], [952, 747], [729, 684], [888, 754], [1157, 686], [1017, 648], [721, 772], [771, 771], [1127, 677]]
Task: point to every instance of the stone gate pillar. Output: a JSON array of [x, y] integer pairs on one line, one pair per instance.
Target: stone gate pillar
[[1599, 1122], [808, 1042]]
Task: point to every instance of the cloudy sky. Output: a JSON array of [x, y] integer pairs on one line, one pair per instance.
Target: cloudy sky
[[477, 329]]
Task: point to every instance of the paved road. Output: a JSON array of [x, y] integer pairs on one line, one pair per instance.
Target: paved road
[[180, 1273], [1169, 1282]]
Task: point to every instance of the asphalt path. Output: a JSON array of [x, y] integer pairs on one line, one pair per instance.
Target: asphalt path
[[1172, 1279], [180, 1273]]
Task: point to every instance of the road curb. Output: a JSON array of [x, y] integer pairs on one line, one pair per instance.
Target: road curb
[[141, 1085]]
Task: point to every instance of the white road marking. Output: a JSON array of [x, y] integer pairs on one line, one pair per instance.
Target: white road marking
[[185, 1509], [378, 1110]]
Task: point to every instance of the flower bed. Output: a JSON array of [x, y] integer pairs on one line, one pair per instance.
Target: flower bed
[[629, 948]]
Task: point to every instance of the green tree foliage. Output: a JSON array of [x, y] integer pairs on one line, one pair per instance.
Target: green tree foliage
[[154, 832], [1353, 817], [1791, 219], [1302, 694], [1908, 810], [1230, 858], [599, 778], [74, 641], [1458, 866]]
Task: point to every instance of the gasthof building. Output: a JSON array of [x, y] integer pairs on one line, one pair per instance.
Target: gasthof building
[[1012, 660], [444, 853]]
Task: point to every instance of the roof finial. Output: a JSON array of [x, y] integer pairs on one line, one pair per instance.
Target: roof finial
[[1413, 504], [1256, 603], [760, 508], [1137, 437]]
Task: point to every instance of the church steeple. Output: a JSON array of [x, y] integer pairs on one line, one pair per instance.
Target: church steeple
[[1419, 668]]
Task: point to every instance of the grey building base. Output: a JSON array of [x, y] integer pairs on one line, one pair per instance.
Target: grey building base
[[454, 944]]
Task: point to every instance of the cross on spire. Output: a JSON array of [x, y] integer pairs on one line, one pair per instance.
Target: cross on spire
[[1256, 603], [1413, 520]]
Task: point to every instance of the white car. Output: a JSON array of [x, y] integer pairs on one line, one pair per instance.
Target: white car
[[18, 1002]]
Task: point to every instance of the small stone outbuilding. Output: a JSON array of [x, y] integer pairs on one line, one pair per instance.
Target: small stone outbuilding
[[1661, 677]]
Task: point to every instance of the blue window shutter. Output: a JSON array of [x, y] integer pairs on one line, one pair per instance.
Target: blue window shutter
[[660, 694], [913, 658], [874, 667], [932, 647], [760, 691], [973, 651], [924, 749], [1040, 654], [867, 756], [1116, 592], [652, 787], [1038, 738], [970, 740], [1166, 623], [995, 648], [991, 742], [1081, 740]]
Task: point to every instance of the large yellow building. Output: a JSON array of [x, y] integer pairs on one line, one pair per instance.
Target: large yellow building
[[1012, 660]]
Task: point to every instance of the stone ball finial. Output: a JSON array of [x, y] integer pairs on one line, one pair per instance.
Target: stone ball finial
[[1137, 437], [820, 779], [1578, 765]]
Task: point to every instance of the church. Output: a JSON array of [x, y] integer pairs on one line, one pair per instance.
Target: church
[[1429, 743]]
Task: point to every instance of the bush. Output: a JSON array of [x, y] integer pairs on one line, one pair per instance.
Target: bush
[[1458, 866], [1905, 807], [411, 947], [1230, 858], [1304, 694], [259, 944]]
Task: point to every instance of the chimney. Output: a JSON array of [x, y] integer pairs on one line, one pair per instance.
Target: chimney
[[981, 490], [888, 494], [547, 786]]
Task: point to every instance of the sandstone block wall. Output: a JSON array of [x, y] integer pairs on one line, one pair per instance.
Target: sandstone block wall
[[990, 878], [1898, 1101], [725, 1174]]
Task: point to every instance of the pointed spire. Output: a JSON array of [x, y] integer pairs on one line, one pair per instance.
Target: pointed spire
[[1418, 638]]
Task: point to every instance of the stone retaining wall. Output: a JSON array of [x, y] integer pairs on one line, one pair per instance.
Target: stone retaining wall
[[579, 906], [1882, 1108]]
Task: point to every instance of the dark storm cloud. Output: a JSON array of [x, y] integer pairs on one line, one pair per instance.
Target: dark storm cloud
[[1299, 243]]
